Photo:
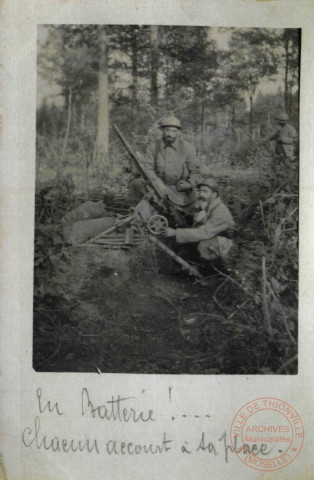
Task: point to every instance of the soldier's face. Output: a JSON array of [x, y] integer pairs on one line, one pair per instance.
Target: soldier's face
[[169, 134], [206, 194]]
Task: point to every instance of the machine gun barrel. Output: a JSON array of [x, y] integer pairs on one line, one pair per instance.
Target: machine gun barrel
[[139, 163], [192, 270], [162, 199]]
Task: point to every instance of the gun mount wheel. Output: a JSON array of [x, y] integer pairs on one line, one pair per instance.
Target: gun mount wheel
[[157, 224]]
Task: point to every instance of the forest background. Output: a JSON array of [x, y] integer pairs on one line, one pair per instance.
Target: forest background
[[225, 85], [92, 76]]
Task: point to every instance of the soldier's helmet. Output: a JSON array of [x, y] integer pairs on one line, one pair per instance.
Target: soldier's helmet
[[170, 121], [282, 117], [209, 182]]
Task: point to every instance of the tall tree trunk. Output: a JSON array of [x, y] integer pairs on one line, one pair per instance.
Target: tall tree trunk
[[203, 108], [251, 116], [234, 133], [154, 64], [134, 70], [202, 119], [287, 74], [268, 126], [102, 139], [167, 83]]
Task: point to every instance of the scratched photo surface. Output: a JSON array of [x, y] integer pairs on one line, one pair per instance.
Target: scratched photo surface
[[166, 204]]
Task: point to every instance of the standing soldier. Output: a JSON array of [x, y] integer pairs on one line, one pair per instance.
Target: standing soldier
[[172, 162], [284, 138]]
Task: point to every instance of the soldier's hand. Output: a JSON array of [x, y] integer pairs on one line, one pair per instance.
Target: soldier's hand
[[165, 191], [200, 217], [169, 232], [183, 186]]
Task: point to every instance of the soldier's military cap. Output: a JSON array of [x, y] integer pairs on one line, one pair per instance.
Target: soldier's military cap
[[170, 121], [282, 117], [209, 182]]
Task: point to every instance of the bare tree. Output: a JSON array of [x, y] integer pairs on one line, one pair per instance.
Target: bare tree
[[102, 138], [154, 64]]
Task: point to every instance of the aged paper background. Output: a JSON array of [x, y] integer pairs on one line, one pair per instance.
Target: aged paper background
[[220, 396]]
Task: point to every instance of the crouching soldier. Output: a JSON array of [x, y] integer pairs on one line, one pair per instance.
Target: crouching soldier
[[212, 228]]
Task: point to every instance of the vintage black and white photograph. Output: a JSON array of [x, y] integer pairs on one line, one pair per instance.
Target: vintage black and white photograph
[[166, 203]]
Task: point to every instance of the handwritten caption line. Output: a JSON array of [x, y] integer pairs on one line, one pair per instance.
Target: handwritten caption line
[[118, 409]]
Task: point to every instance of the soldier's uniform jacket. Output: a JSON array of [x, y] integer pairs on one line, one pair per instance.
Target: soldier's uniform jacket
[[172, 163], [285, 137], [218, 219]]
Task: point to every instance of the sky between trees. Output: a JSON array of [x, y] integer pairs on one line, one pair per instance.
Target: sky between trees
[[50, 91]]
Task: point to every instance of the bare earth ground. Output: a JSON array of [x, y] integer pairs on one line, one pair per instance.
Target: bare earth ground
[[128, 318]]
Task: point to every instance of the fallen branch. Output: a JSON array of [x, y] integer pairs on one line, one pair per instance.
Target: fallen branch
[[264, 295], [285, 320], [215, 297], [252, 330], [275, 192], [238, 309], [233, 281], [204, 278], [287, 363]]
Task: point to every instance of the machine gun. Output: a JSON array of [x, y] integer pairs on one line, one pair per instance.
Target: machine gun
[[156, 188], [134, 223]]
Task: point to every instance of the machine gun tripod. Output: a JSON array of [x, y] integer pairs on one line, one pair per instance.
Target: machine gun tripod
[[131, 231]]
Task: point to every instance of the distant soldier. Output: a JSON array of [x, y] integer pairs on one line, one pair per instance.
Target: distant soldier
[[172, 162], [284, 137], [212, 228]]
